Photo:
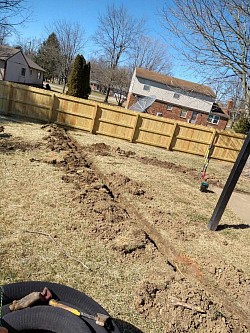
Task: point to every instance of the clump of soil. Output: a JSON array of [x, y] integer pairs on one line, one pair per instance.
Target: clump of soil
[[122, 183], [180, 307], [101, 149], [111, 221], [9, 145]]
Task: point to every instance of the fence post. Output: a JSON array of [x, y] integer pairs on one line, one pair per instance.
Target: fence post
[[212, 142], [171, 138], [52, 111], [134, 129], [10, 98], [95, 120]]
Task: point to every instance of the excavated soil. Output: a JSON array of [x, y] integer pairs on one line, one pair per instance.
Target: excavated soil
[[177, 292]]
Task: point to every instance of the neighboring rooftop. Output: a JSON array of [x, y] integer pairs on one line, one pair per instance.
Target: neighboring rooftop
[[7, 52], [174, 82]]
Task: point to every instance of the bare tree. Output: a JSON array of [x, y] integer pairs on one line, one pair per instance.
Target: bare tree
[[5, 32], [215, 34], [121, 81], [71, 40], [100, 73], [115, 36], [29, 46], [12, 13], [151, 54], [118, 79]]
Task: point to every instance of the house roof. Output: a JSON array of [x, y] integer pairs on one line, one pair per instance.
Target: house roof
[[7, 52], [33, 65], [174, 82], [218, 110]]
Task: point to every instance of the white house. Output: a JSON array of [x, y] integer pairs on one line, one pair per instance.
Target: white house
[[175, 98], [17, 67]]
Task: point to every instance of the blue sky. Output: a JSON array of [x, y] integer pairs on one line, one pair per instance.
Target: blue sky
[[85, 12]]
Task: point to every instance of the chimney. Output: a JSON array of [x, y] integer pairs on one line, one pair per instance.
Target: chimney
[[230, 105]]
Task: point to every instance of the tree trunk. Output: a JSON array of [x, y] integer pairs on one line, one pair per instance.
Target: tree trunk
[[107, 95], [64, 85]]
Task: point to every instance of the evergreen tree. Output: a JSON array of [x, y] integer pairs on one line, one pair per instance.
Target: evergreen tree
[[49, 56], [242, 125], [79, 79]]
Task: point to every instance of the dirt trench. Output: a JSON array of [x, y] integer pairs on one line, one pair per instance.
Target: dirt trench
[[177, 290]]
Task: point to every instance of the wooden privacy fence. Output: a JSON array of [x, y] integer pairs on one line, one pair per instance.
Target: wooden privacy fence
[[117, 122]]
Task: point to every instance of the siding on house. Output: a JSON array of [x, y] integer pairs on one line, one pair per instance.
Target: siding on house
[[178, 113], [16, 67], [175, 98], [192, 100], [189, 96]]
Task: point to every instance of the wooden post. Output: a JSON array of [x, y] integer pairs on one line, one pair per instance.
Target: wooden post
[[212, 143], [52, 110], [10, 98], [172, 136], [134, 129], [95, 121]]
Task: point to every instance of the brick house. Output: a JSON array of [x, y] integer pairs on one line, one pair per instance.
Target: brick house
[[176, 99], [15, 66]]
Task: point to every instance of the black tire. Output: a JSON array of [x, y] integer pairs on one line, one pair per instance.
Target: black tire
[[44, 318]]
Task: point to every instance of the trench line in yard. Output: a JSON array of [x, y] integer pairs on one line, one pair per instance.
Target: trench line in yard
[[189, 269], [183, 264]]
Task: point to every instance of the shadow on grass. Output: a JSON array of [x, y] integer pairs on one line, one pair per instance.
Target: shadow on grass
[[5, 135], [126, 327], [208, 191], [232, 226], [6, 119]]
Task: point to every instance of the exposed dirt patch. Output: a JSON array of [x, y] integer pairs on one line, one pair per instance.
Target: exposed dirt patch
[[106, 150], [103, 149], [9, 145], [175, 290]]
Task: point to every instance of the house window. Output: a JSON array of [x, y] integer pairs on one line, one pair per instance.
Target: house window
[[23, 71], [146, 87], [39, 75], [176, 95], [183, 114], [213, 119], [30, 72], [169, 107]]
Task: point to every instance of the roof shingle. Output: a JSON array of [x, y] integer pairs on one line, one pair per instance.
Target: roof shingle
[[175, 82], [7, 52]]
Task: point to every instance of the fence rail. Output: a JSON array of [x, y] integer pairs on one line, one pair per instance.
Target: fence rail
[[99, 118]]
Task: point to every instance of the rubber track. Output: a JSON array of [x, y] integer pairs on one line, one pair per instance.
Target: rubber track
[[48, 318]]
